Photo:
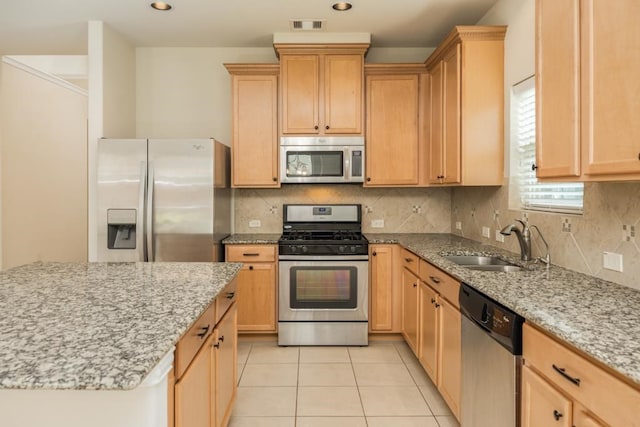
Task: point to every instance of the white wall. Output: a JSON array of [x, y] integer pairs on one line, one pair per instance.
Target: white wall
[[44, 169]]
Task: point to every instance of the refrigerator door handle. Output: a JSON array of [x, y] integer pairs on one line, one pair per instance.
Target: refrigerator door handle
[[140, 215], [150, 185]]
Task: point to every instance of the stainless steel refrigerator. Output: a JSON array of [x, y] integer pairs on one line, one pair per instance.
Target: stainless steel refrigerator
[[163, 199]]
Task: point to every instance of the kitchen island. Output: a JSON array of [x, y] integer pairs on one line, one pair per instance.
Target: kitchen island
[[96, 329]]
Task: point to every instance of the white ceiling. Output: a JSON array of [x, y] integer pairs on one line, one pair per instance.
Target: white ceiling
[[60, 26]]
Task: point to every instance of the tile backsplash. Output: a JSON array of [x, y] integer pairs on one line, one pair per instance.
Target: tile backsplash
[[402, 210], [577, 242]]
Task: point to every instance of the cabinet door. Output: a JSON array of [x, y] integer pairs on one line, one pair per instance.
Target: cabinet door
[[451, 137], [410, 308], [392, 130], [450, 360], [435, 174], [257, 297], [300, 94], [543, 405], [255, 131], [225, 362], [343, 94], [193, 391], [557, 88], [428, 331], [610, 86], [381, 296]]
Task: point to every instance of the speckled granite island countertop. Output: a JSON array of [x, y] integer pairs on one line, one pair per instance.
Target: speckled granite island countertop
[[98, 325], [600, 318], [252, 239]]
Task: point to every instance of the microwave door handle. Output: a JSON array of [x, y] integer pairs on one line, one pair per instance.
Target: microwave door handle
[[150, 183], [347, 164]]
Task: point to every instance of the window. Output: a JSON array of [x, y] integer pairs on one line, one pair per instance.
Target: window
[[529, 193]]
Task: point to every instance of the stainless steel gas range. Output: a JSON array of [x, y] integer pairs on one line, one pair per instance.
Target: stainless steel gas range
[[323, 276]]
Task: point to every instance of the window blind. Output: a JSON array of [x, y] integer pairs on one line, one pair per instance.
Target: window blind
[[534, 195]]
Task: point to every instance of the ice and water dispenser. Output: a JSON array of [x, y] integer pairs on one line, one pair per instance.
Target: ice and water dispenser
[[121, 225]]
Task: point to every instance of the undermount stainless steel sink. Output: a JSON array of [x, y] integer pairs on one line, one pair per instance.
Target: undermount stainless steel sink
[[483, 263]]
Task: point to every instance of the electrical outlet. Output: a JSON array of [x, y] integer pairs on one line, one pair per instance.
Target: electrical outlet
[[486, 232], [612, 261], [499, 237], [458, 225], [566, 225], [416, 209], [255, 223], [377, 223]]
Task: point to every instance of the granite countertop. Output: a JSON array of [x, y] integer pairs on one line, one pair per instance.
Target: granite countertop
[[600, 318], [98, 325], [252, 239]]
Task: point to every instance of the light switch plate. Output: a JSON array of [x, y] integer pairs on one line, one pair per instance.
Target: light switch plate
[[499, 237], [458, 225], [612, 261], [486, 232], [255, 223], [377, 223]]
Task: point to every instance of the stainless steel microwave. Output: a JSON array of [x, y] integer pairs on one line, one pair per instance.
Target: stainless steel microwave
[[321, 159]]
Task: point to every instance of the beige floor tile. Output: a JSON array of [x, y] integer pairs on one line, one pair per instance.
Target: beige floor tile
[[262, 422], [449, 421], [380, 353], [402, 422], [378, 374], [324, 355], [271, 353], [418, 373], [405, 352], [243, 352], [265, 402], [329, 401], [331, 422], [393, 401], [326, 374], [270, 375], [434, 400]]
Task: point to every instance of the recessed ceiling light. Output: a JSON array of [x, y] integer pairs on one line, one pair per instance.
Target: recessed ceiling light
[[160, 5], [342, 6]]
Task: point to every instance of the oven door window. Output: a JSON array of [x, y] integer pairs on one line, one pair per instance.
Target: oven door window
[[314, 163], [324, 287]]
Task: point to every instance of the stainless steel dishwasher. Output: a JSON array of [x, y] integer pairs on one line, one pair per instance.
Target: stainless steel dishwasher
[[491, 360]]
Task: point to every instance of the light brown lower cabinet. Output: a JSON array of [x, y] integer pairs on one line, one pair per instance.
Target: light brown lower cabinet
[[564, 388], [385, 297], [204, 392], [439, 333], [410, 308]]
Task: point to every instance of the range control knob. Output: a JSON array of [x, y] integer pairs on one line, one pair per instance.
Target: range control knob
[[342, 248], [304, 249], [353, 248], [293, 248]]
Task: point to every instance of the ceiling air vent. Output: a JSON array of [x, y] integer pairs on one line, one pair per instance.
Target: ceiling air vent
[[307, 24]]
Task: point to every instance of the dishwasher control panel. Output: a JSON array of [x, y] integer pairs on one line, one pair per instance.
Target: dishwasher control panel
[[501, 323]]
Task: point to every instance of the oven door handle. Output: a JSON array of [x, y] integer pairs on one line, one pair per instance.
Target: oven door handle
[[345, 258]]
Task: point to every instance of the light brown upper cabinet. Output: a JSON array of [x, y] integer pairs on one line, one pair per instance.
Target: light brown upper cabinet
[[396, 133], [322, 89], [254, 146], [466, 107], [587, 86]]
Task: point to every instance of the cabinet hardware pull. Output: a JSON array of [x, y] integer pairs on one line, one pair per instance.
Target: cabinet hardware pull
[[408, 260], [534, 167], [251, 267], [374, 253], [434, 279], [437, 305], [274, 179], [316, 127], [217, 345], [433, 300], [557, 415], [250, 254], [327, 127], [415, 285], [204, 329], [230, 295], [368, 179], [221, 339], [563, 372]]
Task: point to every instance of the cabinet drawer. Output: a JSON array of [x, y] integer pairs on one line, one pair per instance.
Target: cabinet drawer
[[193, 339], [224, 300], [603, 394], [447, 286], [409, 260], [251, 253]]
